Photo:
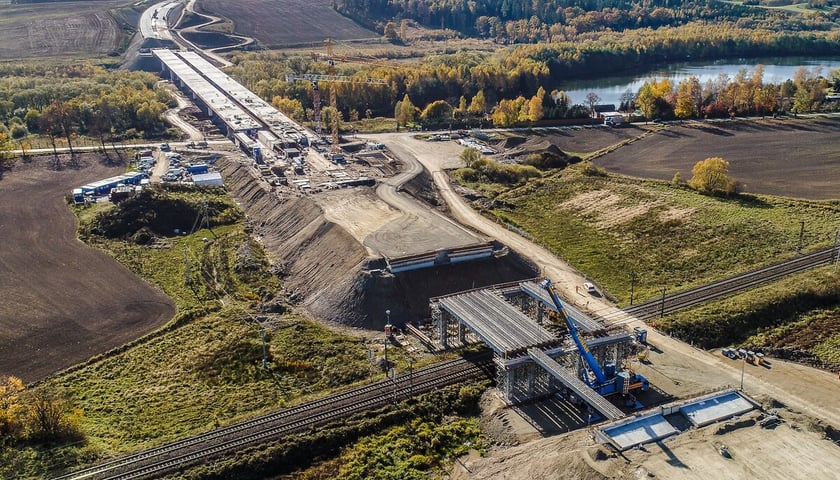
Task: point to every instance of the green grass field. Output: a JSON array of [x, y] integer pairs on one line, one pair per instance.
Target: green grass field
[[204, 368], [651, 235], [615, 228]]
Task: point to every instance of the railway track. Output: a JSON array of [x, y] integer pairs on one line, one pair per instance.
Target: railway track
[[166, 458], [728, 286]]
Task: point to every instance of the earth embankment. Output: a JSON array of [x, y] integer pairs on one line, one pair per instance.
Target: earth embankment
[[330, 273]]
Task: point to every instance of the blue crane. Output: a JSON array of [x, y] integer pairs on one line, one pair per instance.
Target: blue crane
[[601, 384]]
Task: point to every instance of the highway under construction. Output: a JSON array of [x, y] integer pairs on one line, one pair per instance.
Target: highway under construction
[[288, 157]]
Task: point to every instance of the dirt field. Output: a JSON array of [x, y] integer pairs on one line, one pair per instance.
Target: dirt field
[[58, 29], [793, 449], [790, 157], [290, 22], [63, 302]]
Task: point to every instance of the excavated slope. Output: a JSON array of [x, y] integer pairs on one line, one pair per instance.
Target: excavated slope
[[327, 270]]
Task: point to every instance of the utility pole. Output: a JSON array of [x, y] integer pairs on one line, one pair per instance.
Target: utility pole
[[662, 308], [743, 364], [410, 376], [388, 316], [187, 276], [632, 284], [265, 355], [836, 250], [801, 235]]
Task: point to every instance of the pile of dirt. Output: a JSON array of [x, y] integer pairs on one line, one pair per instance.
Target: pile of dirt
[[154, 212], [536, 151], [407, 294], [329, 272]]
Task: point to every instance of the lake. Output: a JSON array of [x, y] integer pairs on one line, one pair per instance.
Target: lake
[[776, 70]]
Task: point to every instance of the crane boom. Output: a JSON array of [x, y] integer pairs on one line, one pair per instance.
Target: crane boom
[[316, 77], [573, 331]]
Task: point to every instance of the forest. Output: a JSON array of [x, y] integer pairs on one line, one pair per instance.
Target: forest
[[70, 100], [508, 79], [511, 21]]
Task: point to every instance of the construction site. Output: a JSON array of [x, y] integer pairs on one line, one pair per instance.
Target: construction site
[[362, 239]]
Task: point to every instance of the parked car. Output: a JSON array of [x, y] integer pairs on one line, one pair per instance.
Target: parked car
[[589, 287], [164, 147]]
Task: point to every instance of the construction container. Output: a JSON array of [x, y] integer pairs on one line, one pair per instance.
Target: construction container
[[640, 334], [198, 168]]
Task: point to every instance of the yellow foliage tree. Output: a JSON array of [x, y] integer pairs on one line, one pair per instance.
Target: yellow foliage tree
[[712, 175], [689, 98], [535, 106], [478, 104], [12, 409], [291, 107]]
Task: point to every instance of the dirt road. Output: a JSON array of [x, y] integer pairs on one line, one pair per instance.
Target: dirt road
[[806, 389], [173, 117]]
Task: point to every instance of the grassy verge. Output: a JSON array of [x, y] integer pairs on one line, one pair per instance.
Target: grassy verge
[[371, 125], [650, 234], [797, 318], [413, 439]]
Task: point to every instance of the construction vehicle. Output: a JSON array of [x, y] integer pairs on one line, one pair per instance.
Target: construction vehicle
[[594, 376]]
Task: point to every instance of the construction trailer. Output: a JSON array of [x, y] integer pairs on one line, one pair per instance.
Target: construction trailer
[[103, 187], [210, 179]]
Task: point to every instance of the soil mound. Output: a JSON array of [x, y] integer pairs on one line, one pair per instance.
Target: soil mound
[[328, 271]]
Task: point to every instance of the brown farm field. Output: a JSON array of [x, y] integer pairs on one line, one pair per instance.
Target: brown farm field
[[276, 23], [63, 301], [59, 29], [797, 158]]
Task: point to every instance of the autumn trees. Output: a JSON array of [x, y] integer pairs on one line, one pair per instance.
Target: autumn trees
[[36, 415], [712, 176], [89, 101]]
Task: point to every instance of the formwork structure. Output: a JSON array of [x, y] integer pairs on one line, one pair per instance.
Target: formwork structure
[[531, 361], [654, 425]]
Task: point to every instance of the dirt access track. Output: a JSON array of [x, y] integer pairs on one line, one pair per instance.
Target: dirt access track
[[62, 301]]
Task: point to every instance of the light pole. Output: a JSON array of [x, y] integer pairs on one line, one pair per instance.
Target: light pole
[[801, 235], [388, 322], [743, 364], [662, 308]]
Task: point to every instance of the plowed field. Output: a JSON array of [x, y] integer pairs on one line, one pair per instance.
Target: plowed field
[[287, 22], [791, 157], [56, 29], [62, 301]]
